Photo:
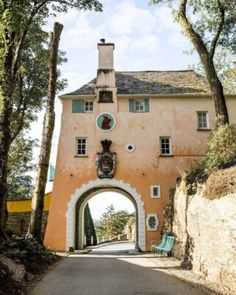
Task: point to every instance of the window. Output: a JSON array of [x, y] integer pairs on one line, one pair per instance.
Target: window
[[81, 106], [165, 146], [202, 118], [81, 147], [155, 191], [88, 106], [105, 96], [138, 105]]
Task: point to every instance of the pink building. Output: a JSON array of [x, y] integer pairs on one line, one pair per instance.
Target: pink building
[[130, 132]]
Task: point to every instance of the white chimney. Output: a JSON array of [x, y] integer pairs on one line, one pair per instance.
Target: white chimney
[[105, 55], [106, 84]]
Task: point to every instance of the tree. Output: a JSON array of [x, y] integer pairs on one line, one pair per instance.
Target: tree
[[18, 20], [209, 24], [19, 180], [113, 223], [48, 127]]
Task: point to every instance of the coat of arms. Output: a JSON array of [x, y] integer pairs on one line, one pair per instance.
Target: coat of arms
[[106, 161]]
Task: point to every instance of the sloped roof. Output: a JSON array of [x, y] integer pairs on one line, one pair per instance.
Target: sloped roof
[[152, 82]]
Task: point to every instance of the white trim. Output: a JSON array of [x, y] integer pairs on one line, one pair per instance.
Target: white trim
[[113, 117], [142, 102], [88, 101], [157, 222], [207, 120], [130, 145], [170, 145], [159, 191], [101, 183], [76, 147]]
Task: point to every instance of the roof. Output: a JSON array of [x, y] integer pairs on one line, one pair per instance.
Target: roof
[[152, 82]]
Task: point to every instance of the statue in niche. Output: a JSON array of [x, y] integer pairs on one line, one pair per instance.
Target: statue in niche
[[106, 161]]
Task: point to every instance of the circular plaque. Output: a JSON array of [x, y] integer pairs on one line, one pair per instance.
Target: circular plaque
[[105, 122]]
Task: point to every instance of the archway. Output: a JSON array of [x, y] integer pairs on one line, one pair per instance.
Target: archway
[[85, 192]]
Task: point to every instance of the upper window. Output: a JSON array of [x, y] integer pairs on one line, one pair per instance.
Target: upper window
[[138, 105], [82, 106], [88, 106], [165, 146], [202, 119], [81, 146], [155, 191], [105, 96]]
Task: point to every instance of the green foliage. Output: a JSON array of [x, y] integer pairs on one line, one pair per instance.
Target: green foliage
[[20, 165], [221, 149], [204, 16], [89, 229], [221, 154], [194, 175], [29, 251], [113, 223]]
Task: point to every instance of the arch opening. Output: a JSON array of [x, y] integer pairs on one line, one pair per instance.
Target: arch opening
[[78, 201], [115, 231]]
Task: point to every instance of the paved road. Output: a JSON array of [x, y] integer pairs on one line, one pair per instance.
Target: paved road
[[106, 272]]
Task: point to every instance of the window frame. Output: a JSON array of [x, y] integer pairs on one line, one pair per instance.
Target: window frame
[[89, 106], [153, 196], [135, 106], [198, 120], [77, 146], [170, 146]]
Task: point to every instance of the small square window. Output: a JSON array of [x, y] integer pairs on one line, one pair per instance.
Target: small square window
[[202, 119], [165, 146], [155, 191], [139, 105], [81, 146], [88, 106], [105, 96]]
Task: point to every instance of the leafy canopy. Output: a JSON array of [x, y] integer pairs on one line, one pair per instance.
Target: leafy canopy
[[204, 16], [113, 223]]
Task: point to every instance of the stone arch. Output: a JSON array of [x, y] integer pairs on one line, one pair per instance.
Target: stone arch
[[101, 184]]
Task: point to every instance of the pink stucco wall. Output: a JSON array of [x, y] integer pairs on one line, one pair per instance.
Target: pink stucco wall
[[168, 116]]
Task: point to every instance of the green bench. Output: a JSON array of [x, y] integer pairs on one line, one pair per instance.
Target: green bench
[[166, 245]]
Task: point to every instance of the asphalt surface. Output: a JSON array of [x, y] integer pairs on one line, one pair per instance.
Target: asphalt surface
[[111, 270]]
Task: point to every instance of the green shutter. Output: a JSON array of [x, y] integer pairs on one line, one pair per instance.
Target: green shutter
[[77, 106], [131, 106], [51, 172], [146, 103]]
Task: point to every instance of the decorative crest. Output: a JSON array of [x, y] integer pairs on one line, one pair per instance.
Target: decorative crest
[[106, 161]]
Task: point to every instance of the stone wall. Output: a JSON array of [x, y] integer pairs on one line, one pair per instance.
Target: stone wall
[[206, 234], [18, 222]]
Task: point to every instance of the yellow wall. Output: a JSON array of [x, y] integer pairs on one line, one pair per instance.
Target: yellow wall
[[25, 205]]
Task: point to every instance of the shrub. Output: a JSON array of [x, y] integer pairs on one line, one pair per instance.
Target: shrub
[[221, 151], [195, 174], [29, 251]]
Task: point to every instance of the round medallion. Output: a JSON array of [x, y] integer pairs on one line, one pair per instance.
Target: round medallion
[[105, 122]]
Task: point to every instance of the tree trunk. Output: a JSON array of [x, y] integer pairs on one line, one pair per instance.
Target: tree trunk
[[48, 126], [6, 91], [217, 91], [207, 60]]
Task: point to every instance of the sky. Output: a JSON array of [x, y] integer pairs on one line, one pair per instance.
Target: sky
[[100, 202], [145, 37]]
